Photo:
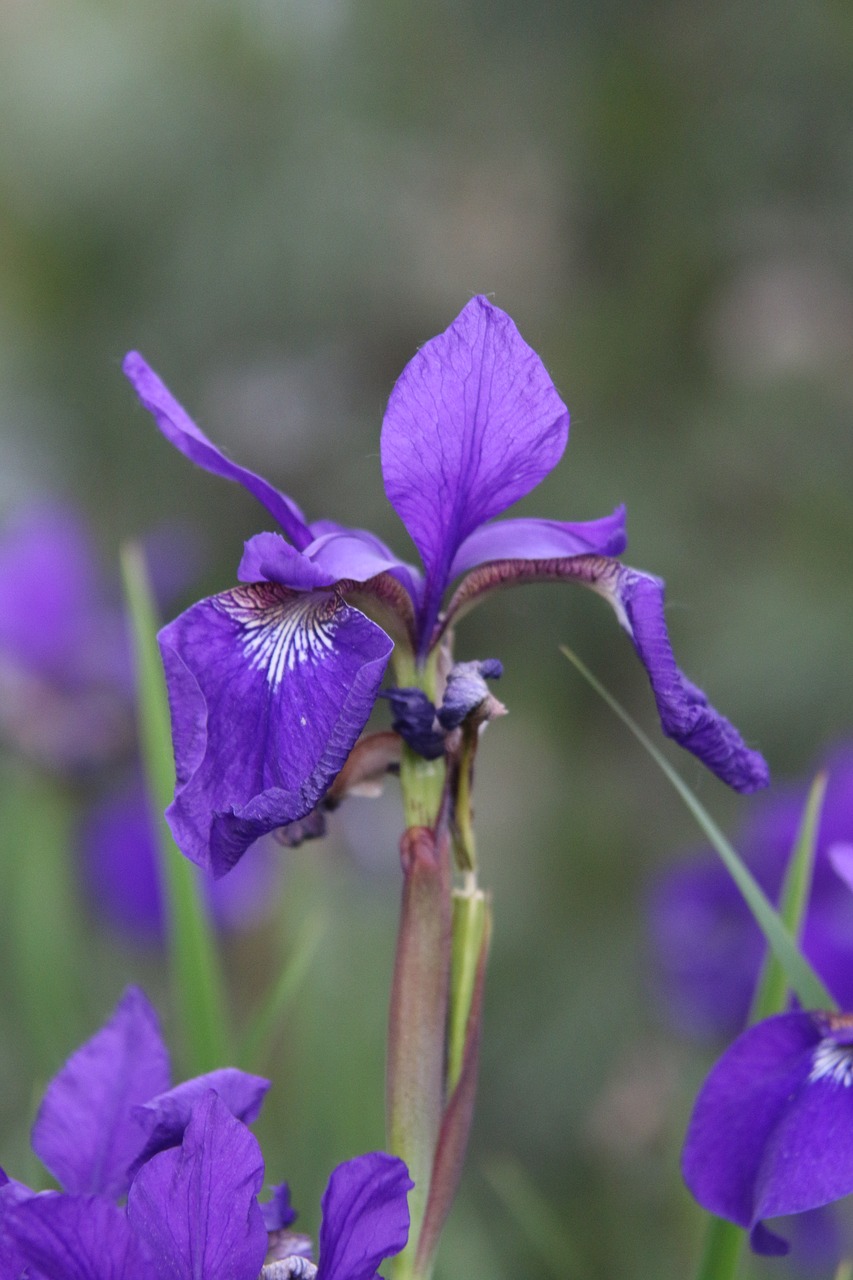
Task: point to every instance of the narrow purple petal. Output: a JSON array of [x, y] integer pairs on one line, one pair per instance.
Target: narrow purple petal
[[182, 432], [541, 540], [164, 1119], [637, 598], [85, 1132], [269, 691], [685, 713], [473, 424], [64, 1237], [196, 1205], [738, 1108], [365, 1216]]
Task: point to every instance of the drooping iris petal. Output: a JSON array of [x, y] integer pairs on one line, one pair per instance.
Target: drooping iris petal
[[196, 1207], [164, 1119], [541, 540], [472, 425], [638, 601], [685, 713], [180, 430], [269, 690], [365, 1216], [769, 1131], [85, 1132], [63, 1237]]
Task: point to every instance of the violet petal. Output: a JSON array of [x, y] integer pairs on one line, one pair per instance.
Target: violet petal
[[196, 1205], [64, 1237], [85, 1132], [268, 691], [180, 430], [365, 1216], [763, 1140], [164, 1119], [685, 712], [472, 425], [541, 540], [268, 558], [278, 1212]]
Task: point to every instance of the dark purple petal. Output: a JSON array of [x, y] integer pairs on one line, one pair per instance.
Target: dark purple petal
[[164, 1119], [85, 1132], [12, 1194], [196, 1205], [268, 691], [414, 718], [278, 1212], [685, 713], [768, 1135], [637, 599], [182, 432], [541, 540], [473, 424], [365, 1216], [63, 1237]]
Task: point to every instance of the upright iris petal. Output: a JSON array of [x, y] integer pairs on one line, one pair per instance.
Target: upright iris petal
[[365, 1217], [85, 1132], [473, 424], [269, 690], [196, 1207]]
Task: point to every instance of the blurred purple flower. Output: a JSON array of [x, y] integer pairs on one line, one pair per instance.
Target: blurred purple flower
[[120, 867], [770, 1131], [110, 1126], [65, 673], [473, 424], [707, 946], [67, 700]]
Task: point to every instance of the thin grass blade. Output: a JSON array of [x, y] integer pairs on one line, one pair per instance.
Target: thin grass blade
[[800, 976], [198, 989]]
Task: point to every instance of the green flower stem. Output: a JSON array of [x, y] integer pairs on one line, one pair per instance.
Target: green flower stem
[[471, 928], [418, 1021], [724, 1244]]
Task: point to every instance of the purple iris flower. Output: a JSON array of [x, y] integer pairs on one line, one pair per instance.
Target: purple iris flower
[[770, 1131], [191, 1171], [272, 682], [708, 949]]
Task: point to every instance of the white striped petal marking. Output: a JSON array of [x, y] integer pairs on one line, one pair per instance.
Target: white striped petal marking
[[281, 629]]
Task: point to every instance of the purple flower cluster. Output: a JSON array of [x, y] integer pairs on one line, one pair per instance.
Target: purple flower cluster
[[272, 682], [111, 1128]]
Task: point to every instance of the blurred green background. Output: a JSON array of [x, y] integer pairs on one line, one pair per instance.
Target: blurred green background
[[277, 201]]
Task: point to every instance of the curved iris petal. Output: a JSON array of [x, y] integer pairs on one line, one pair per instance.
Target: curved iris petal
[[268, 558], [541, 540], [78, 1238], [84, 1131], [269, 690], [765, 1138], [164, 1119], [365, 1216], [196, 1205], [637, 598], [180, 430], [473, 424], [685, 713]]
